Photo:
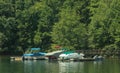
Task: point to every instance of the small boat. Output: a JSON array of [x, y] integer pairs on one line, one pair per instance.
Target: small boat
[[53, 55], [34, 55], [67, 55], [73, 56], [16, 58]]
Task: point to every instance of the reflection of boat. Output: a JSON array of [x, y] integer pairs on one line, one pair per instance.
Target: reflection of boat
[[34, 55], [71, 67], [85, 59]]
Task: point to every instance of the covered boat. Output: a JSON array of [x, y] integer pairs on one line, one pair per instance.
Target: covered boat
[[68, 55], [34, 55], [53, 55]]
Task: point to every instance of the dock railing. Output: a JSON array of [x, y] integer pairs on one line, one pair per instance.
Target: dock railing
[[100, 52]]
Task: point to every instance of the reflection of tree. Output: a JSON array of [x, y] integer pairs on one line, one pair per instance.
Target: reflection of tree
[[51, 67], [110, 66], [28, 67], [34, 66], [75, 67]]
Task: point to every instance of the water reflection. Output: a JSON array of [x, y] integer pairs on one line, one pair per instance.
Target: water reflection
[[28, 66], [40, 66], [106, 66], [71, 67], [34, 66]]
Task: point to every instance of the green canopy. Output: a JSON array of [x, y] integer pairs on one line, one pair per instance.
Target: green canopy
[[35, 48], [68, 52]]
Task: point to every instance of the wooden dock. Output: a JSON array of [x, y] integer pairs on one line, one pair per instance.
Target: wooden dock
[[16, 58], [34, 58], [108, 53], [85, 59], [20, 58]]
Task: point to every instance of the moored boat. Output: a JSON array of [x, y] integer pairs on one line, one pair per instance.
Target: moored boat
[[73, 56], [53, 55], [34, 55]]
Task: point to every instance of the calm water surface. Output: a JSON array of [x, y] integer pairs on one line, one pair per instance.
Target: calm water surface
[[106, 66]]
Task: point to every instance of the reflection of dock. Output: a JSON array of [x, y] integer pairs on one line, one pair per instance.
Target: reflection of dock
[[85, 59], [34, 58], [18, 58]]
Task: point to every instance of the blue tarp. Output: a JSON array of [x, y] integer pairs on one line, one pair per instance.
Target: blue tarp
[[68, 52], [35, 54], [35, 48]]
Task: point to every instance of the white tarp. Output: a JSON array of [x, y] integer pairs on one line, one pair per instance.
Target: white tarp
[[69, 56], [55, 53]]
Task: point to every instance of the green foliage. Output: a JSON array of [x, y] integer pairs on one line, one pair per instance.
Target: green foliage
[[72, 24], [104, 23], [70, 31]]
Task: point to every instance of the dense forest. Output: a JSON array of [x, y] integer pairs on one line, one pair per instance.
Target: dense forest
[[71, 24]]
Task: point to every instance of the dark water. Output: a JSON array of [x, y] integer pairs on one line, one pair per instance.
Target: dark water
[[106, 66]]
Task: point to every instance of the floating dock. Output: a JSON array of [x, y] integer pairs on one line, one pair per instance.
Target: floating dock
[[16, 58], [34, 58], [85, 59], [19, 58]]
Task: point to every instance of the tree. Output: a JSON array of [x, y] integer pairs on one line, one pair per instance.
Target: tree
[[101, 24], [70, 31]]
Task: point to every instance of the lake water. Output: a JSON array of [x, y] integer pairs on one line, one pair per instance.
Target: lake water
[[106, 66]]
